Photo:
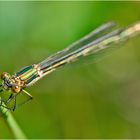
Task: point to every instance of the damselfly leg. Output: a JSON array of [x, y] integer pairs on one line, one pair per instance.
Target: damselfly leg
[[4, 103], [14, 106], [9, 99], [14, 98], [1, 89], [29, 95], [0, 98]]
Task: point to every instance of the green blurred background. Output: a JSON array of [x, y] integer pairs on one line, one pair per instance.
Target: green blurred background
[[93, 99]]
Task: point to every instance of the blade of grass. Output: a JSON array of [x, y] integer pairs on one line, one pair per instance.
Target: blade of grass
[[12, 124]]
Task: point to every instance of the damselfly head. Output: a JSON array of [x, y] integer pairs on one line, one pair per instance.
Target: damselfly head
[[5, 75], [10, 83], [6, 82]]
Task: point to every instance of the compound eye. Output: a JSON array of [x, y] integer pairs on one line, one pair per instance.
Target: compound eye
[[4, 75]]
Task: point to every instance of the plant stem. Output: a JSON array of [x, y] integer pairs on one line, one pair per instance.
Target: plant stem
[[11, 122]]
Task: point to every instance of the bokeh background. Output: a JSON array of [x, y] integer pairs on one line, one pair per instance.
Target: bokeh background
[[87, 99]]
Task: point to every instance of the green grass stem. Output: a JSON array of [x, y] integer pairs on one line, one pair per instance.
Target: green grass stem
[[12, 124]]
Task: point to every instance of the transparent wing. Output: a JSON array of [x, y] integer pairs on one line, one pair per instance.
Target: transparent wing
[[83, 41], [91, 46]]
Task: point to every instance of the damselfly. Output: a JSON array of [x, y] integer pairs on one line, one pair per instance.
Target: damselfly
[[99, 39]]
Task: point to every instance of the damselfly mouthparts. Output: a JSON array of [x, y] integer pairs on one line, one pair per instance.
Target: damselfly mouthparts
[[99, 39]]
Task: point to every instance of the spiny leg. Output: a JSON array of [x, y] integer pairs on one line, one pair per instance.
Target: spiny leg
[[29, 95], [1, 89], [12, 96], [6, 102], [3, 103], [9, 99], [14, 106]]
